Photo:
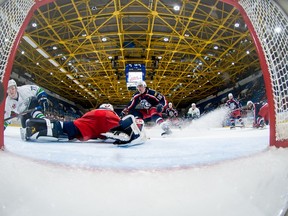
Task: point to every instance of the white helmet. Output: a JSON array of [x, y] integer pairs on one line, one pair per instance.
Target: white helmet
[[249, 103], [170, 104], [106, 106], [141, 83], [12, 82], [230, 95]]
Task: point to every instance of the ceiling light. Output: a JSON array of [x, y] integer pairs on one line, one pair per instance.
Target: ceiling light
[[237, 24], [165, 39], [75, 81], [30, 41], [34, 25], [215, 47], [62, 70], [104, 39], [22, 52], [69, 76], [53, 62], [176, 7], [42, 52], [248, 52]]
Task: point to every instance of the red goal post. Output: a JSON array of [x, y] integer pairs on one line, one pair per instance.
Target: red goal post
[[267, 24]]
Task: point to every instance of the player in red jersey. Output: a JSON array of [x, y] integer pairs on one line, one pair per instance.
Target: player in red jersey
[[92, 125], [261, 113]]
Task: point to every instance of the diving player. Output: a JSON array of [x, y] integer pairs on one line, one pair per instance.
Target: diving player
[[261, 113], [99, 123]]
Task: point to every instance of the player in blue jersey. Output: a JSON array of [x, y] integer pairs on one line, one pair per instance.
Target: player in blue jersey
[[147, 103], [235, 110]]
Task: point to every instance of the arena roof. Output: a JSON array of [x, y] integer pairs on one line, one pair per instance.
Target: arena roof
[[79, 49]]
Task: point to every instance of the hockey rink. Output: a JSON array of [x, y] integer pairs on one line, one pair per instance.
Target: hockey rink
[[202, 169]]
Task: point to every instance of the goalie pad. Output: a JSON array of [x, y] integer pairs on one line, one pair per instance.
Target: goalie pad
[[36, 128], [130, 130]]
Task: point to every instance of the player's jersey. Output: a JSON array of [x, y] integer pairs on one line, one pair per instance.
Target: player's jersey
[[25, 93], [95, 122], [171, 113], [194, 113], [260, 109], [233, 104], [148, 99]]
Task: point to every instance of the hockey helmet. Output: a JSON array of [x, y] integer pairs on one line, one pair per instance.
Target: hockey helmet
[[12, 82], [249, 103], [141, 83], [106, 106]]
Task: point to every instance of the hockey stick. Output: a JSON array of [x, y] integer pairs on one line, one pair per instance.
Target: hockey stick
[[19, 114]]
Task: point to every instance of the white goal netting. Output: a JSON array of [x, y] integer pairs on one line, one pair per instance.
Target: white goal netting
[[12, 16], [271, 26]]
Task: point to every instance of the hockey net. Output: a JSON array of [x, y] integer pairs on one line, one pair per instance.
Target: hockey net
[[269, 27]]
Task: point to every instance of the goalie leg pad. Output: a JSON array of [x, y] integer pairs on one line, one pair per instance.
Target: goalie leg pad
[[42, 127]]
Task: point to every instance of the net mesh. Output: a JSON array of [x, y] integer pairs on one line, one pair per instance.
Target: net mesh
[[271, 26], [12, 16]]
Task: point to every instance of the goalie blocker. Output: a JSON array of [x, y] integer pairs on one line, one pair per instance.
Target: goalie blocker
[[129, 130]]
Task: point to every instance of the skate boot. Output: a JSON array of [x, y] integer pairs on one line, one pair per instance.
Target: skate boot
[[261, 124], [36, 128], [165, 127]]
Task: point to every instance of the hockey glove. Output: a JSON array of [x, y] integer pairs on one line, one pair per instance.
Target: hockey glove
[[43, 102], [159, 108]]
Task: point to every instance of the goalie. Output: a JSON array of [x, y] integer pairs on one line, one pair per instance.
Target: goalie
[[101, 123]]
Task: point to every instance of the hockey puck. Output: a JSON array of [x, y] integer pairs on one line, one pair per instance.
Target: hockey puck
[[2, 94]]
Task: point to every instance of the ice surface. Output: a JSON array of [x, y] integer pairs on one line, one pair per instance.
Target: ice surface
[[203, 169]]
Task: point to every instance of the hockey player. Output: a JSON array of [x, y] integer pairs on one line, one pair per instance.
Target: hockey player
[[100, 123], [171, 112], [23, 98], [261, 113], [193, 112], [235, 110], [172, 115], [147, 103]]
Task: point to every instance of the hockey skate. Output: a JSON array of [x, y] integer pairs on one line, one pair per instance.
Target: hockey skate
[[44, 128], [166, 128]]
